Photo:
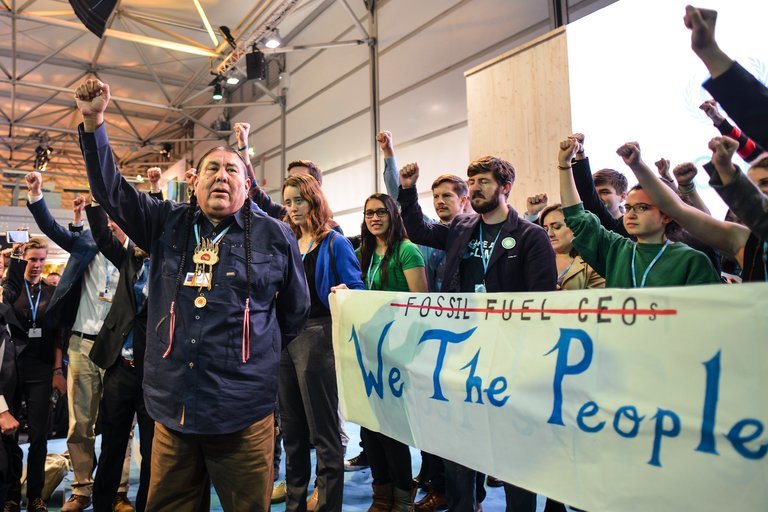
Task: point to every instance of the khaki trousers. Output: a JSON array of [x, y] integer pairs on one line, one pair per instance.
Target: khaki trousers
[[84, 388], [239, 465]]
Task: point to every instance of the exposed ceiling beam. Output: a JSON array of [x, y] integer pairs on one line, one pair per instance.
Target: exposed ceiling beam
[[206, 23], [155, 26], [47, 100], [60, 102], [56, 129], [356, 21], [49, 56], [72, 92], [86, 66], [117, 34]]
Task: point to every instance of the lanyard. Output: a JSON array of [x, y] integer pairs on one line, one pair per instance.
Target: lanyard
[[370, 277], [487, 259], [34, 306], [304, 254], [647, 270], [216, 239], [106, 272]]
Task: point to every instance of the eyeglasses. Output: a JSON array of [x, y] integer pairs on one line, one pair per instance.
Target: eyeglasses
[[380, 213], [639, 208]]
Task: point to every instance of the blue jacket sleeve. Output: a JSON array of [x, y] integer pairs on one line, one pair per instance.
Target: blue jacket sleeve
[[140, 216], [265, 203], [64, 238], [744, 98], [391, 177], [347, 266]]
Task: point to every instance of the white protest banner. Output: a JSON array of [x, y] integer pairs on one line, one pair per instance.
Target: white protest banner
[[616, 400]]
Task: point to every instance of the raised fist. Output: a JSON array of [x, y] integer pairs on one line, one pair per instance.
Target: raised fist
[[409, 175], [153, 175], [78, 205], [385, 142], [190, 176], [662, 165], [630, 153], [701, 23], [241, 134], [578, 137], [535, 204], [723, 149], [710, 108], [568, 149], [684, 173], [34, 183], [92, 97]]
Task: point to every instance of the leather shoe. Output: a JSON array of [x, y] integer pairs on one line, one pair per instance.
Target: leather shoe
[[278, 492], [122, 503], [431, 502], [11, 506], [76, 503], [312, 501], [37, 505]]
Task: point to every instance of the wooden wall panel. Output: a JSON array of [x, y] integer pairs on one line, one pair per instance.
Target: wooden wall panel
[[519, 109]]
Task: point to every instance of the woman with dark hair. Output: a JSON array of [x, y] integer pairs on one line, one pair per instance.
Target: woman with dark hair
[[307, 393], [573, 273], [39, 366], [390, 262]]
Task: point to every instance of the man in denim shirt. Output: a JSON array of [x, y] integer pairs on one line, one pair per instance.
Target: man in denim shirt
[[226, 292]]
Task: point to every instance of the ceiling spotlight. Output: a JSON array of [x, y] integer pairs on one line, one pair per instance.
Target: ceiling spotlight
[[217, 92], [273, 40], [233, 80]]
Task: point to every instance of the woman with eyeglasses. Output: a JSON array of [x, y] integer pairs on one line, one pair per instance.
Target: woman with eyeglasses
[[573, 273], [390, 262], [307, 392]]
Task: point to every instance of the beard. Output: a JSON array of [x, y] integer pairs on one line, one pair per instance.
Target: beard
[[487, 205]]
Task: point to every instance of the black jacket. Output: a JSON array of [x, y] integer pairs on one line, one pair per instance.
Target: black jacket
[[527, 266], [122, 315]]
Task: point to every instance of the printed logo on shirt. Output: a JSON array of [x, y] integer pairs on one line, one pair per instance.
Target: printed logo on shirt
[[474, 247]]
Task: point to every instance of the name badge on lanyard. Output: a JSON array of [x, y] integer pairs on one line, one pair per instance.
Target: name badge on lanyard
[[34, 331], [107, 294]]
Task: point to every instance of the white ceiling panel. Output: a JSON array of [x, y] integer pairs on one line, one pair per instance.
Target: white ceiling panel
[[336, 147], [336, 103], [462, 33]]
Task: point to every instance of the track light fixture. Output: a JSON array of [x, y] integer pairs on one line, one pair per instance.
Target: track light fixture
[[273, 39], [217, 92]]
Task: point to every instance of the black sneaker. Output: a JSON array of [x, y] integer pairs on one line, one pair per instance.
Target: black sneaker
[[11, 506], [356, 463]]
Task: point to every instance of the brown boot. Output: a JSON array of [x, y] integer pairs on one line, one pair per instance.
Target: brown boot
[[402, 501], [382, 498]]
